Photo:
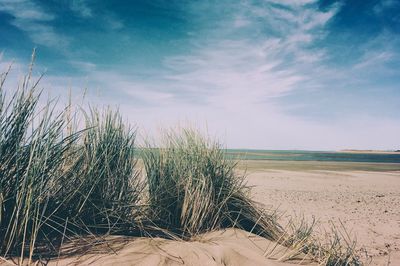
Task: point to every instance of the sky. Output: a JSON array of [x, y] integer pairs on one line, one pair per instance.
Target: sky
[[263, 74]]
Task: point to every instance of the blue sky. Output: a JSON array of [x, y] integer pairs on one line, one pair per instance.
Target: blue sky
[[272, 74]]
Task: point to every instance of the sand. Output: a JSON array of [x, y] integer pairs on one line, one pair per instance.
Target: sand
[[224, 247], [367, 203]]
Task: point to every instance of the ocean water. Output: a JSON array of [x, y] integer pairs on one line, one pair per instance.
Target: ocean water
[[297, 155]]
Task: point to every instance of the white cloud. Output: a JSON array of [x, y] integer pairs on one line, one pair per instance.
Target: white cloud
[[374, 58], [383, 5], [293, 3], [81, 8], [229, 82], [240, 22], [250, 71], [24, 10], [107, 20], [113, 23], [32, 19], [379, 51], [83, 66]]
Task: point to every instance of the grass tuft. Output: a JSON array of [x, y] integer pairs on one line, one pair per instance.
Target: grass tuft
[[105, 184], [193, 188], [57, 184], [32, 149]]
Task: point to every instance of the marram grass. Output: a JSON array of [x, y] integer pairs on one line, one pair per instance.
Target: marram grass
[[55, 184], [194, 188], [32, 151], [59, 183], [105, 180]]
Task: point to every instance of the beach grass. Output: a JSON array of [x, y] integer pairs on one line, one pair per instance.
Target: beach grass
[[32, 152], [104, 188], [60, 183], [193, 188], [56, 184]]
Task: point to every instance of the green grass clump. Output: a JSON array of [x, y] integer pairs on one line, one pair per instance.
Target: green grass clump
[[193, 188], [55, 184], [32, 149], [105, 184]]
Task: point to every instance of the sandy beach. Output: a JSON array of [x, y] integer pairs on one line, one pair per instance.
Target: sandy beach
[[366, 202], [363, 204]]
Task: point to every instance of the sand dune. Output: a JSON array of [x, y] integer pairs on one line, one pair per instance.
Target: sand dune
[[227, 247]]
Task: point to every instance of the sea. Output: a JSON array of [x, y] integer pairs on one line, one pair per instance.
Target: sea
[[299, 155]]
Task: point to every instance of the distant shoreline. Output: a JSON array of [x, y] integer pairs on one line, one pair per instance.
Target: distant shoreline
[[348, 155], [370, 151]]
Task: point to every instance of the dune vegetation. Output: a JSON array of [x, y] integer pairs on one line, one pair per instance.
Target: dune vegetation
[[60, 182]]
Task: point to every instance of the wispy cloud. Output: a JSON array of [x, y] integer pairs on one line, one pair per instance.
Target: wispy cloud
[[81, 7], [106, 18], [381, 6], [378, 52], [25, 10], [374, 58], [264, 74], [29, 17], [294, 2], [233, 71]]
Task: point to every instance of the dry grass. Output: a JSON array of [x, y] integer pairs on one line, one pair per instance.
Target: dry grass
[[334, 248]]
